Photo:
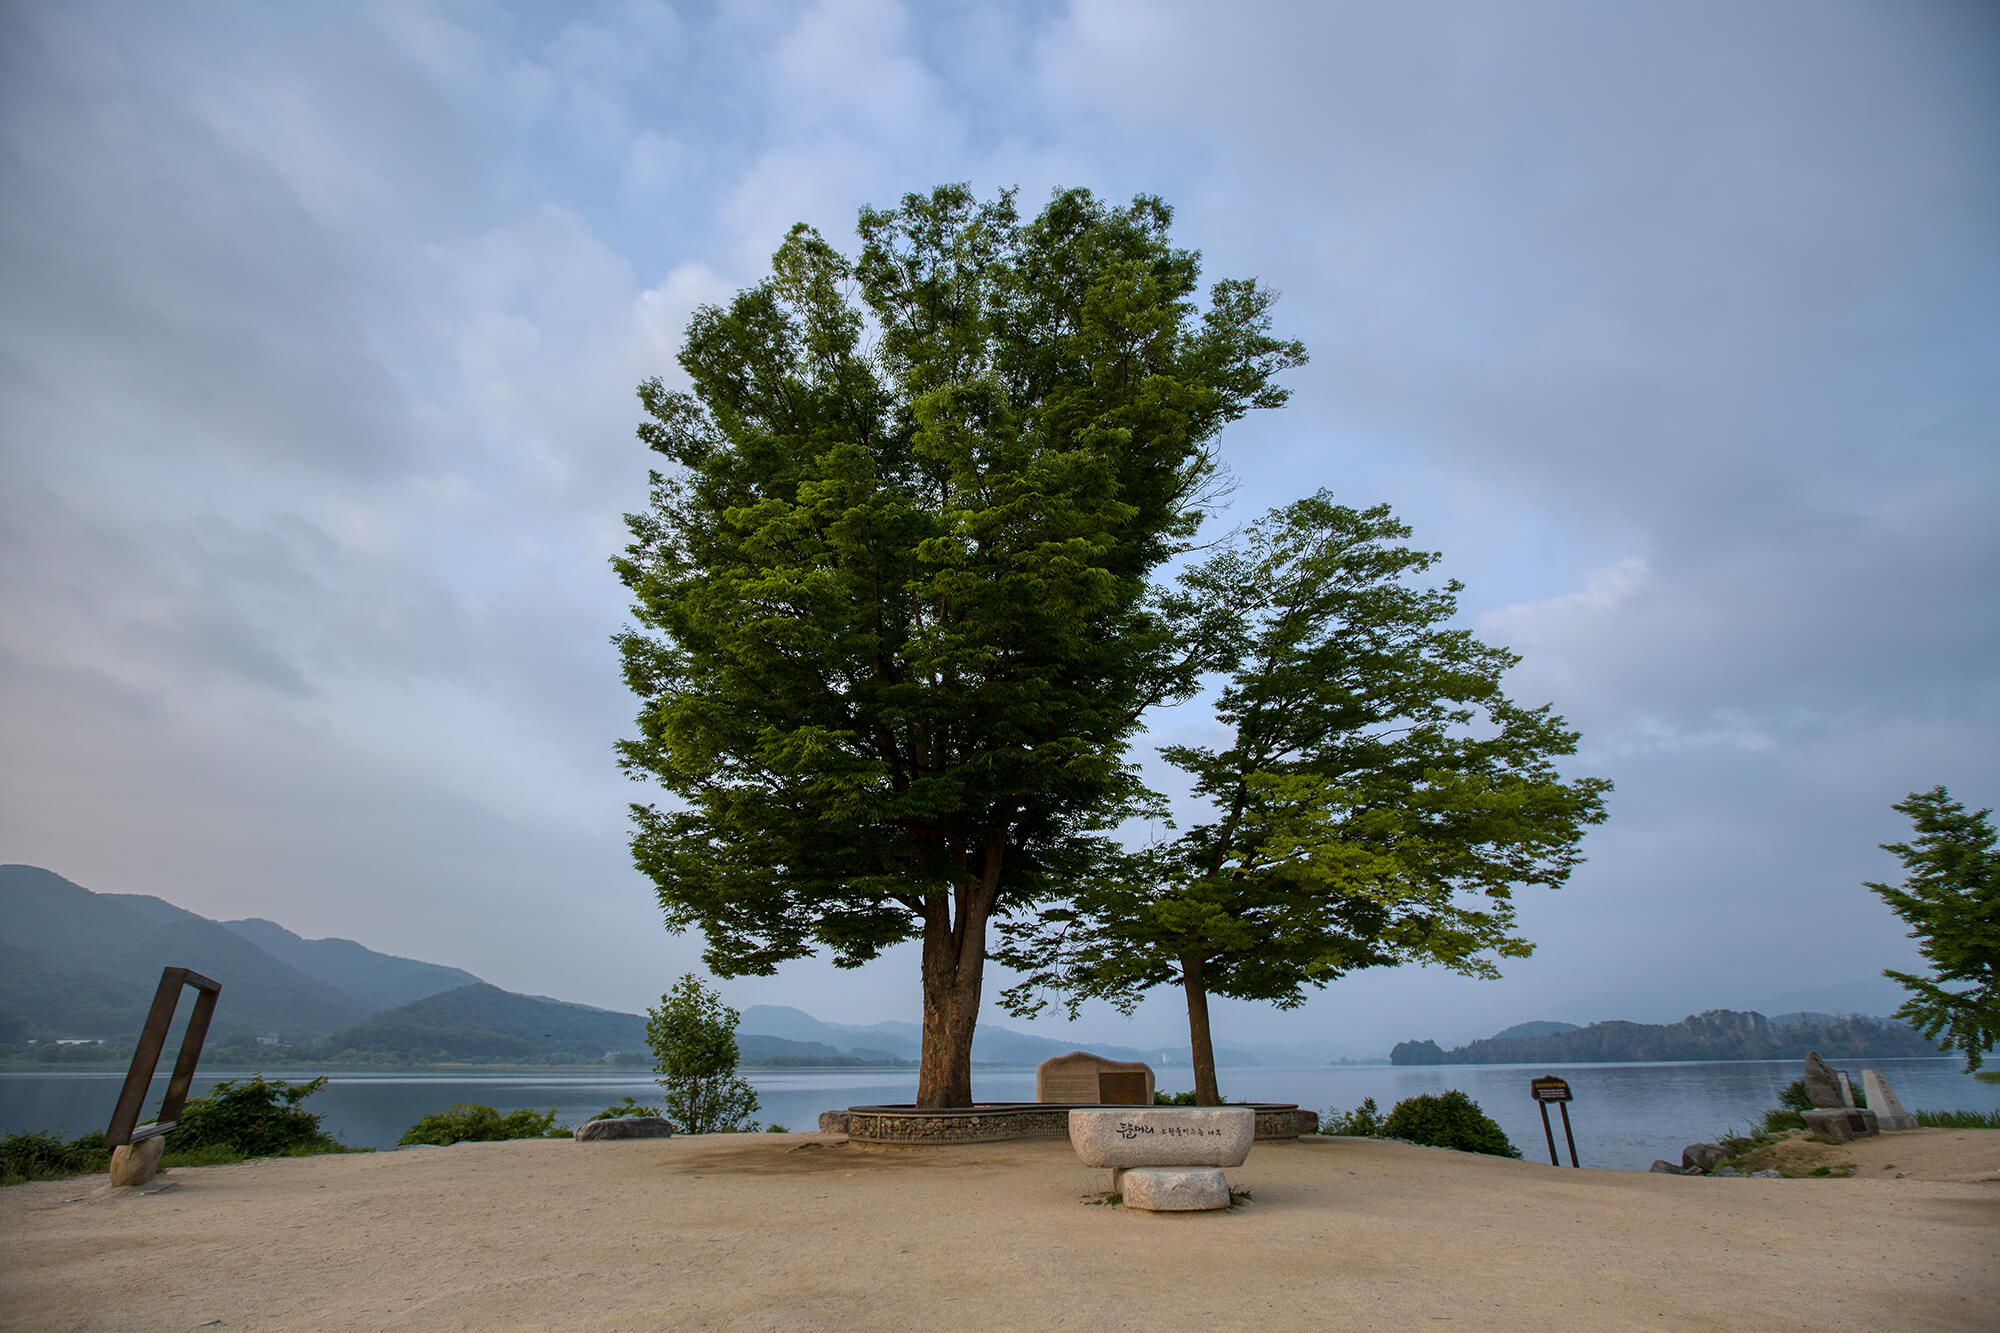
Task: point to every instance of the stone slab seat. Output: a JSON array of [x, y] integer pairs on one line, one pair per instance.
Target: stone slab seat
[[1166, 1160], [1163, 1136], [1174, 1189]]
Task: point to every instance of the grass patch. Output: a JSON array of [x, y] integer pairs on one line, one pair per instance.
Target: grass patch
[[1989, 1075], [1958, 1119]]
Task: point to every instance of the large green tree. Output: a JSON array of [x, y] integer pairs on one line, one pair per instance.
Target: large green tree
[[894, 624], [1378, 801], [1950, 897]]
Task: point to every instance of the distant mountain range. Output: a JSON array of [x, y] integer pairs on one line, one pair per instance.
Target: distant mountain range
[[82, 966], [1719, 1034]]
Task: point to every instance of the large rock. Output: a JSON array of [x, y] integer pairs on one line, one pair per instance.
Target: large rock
[[833, 1122], [1166, 1189], [1889, 1112], [1821, 1086], [1163, 1136], [1845, 1123], [137, 1163], [1308, 1123], [1702, 1156], [1665, 1168], [625, 1127]]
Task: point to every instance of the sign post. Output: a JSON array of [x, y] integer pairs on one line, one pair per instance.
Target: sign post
[[1548, 1089]]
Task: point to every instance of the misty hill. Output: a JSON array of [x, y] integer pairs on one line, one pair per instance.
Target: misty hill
[[379, 980], [991, 1043], [84, 964], [1719, 1034], [1539, 1028], [480, 1023]]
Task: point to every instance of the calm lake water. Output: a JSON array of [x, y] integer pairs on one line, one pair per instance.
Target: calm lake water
[[1624, 1116]]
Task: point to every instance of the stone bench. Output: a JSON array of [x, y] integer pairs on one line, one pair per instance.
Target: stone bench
[[1166, 1160]]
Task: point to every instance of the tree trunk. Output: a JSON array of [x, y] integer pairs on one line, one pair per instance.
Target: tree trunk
[[1202, 1045], [954, 964]]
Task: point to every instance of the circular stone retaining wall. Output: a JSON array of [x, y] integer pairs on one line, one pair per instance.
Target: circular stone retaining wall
[[996, 1122]]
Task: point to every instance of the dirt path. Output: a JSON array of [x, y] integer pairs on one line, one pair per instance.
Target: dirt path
[[792, 1232]]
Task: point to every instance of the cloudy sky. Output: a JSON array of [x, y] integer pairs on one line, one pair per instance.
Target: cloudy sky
[[1675, 327]]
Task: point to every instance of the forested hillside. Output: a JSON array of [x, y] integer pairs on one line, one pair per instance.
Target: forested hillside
[[1719, 1034]]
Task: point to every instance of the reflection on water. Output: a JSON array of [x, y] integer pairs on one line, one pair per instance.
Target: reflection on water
[[1624, 1115]]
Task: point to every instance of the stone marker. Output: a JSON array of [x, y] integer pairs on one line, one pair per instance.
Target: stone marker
[[625, 1127], [1174, 1189], [1841, 1122], [137, 1163], [1889, 1113], [1081, 1078], [1821, 1086], [1846, 1087]]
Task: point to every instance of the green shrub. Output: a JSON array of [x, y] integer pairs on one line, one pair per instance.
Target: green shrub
[[1173, 1098], [776, 1129], [1794, 1096], [260, 1118], [1364, 1121], [1450, 1120], [624, 1107], [469, 1123], [1957, 1119], [25, 1157]]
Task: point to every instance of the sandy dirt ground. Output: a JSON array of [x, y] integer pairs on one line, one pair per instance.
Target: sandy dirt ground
[[797, 1231]]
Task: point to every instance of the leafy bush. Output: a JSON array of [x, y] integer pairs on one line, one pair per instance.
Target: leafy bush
[[25, 1157], [1364, 1121], [469, 1123], [1957, 1119], [1450, 1120], [260, 1118], [624, 1107], [775, 1128], [1173, 1098], [1794, 1096]]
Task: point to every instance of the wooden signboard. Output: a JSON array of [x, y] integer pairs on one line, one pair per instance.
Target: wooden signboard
[[1548, 1088]]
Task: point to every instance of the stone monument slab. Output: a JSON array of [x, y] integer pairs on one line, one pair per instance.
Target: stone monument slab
[[1845, 1123], [1079, 1079], [1889, 1112], [1821, 1085]]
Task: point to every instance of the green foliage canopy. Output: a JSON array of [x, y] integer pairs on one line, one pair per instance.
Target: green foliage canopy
[[693, 1036], [1378, 802], [1950, 897], [893, 625]]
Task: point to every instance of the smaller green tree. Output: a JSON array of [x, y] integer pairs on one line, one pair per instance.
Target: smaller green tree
[[1951, 898], [693, 1036], [1378, 800]]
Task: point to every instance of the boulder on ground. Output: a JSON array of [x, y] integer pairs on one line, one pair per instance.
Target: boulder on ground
[[833, 1122], [1665, 1168], [137, 1163], [625, 1127], [1702, 1156]]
